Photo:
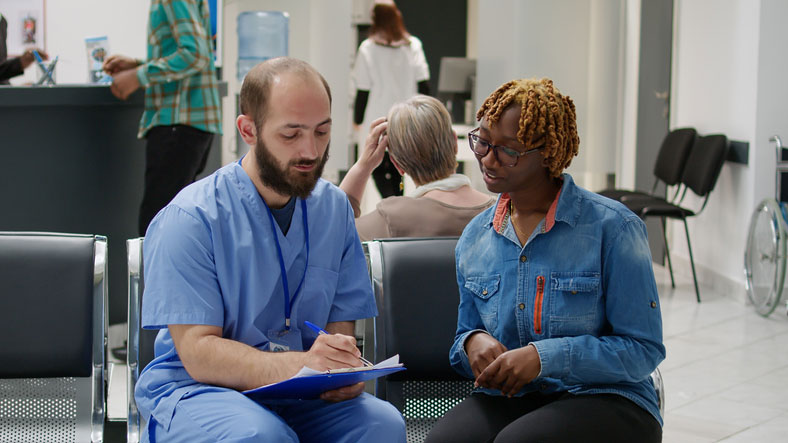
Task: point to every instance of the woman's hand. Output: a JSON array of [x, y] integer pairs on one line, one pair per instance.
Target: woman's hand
[[356, 178], [511, 370], [375, 145], [482, 349]]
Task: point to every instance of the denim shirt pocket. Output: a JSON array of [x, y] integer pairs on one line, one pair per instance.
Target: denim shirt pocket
[[485, 290], [574, 303]]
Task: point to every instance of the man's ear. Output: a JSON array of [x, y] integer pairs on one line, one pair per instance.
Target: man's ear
[[247, 129]]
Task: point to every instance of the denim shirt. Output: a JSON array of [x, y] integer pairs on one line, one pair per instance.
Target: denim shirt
[[581, 290]]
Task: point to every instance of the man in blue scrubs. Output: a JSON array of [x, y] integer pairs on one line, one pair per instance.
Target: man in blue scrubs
[[238, 261]]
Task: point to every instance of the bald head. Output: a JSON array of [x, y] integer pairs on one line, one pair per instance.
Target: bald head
[[256, 88]]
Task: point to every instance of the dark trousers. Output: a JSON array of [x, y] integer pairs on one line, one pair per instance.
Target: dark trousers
[[387, 178], [174, 156], [560, 417]]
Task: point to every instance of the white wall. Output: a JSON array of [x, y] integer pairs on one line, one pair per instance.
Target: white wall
[[320, 34], [716, 88], [68, 22], [772, 99], [577, 43], [627, 150]]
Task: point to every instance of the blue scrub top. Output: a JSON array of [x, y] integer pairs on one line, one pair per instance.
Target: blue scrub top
[[211, 259]]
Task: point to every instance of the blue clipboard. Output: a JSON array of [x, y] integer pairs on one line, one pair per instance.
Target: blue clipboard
[[310, 387]]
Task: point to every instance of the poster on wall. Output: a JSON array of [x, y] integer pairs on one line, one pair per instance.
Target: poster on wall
[[25, 20], [216, 7]]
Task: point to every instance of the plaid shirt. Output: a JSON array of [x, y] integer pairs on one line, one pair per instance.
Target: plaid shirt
[[179, 76]]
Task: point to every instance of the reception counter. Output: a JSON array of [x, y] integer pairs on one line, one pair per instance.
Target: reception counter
[[71, 162]]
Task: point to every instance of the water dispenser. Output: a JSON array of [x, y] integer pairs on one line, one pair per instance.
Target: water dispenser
[[261, 35]]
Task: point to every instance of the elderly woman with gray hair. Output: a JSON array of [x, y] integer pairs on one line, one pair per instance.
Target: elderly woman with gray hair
[[422, 144]]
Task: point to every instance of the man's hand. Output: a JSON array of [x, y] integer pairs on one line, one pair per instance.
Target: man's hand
[[343, 393], [124, 83], [117, 63], [333, 351], [511, 370], [482, 349]]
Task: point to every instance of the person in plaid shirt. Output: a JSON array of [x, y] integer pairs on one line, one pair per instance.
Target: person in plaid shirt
[[182, 108]]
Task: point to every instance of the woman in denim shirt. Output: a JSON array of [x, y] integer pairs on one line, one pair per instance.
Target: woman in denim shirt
[[559, 321]]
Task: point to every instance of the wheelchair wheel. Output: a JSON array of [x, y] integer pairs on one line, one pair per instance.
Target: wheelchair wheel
[[764, 259]]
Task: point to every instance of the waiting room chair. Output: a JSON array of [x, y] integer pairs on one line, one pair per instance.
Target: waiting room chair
[[659, 386], [669, 167], [53, 325], [140, 341], [415, 287], [700, 175]]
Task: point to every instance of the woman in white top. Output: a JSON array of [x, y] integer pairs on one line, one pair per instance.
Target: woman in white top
[[390, 67]]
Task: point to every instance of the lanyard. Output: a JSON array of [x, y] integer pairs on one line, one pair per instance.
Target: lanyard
[[286, 288]]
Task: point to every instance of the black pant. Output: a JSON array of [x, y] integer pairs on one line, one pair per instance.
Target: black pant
[[560, 417], [174, 156], [387, 178]]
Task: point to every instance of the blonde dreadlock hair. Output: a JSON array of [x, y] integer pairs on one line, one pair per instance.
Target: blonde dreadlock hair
[[546, 117]]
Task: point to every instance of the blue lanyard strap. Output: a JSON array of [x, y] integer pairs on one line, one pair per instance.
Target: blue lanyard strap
[[285, 286]]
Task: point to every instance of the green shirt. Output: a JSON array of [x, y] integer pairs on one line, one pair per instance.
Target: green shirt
[[179, 76]]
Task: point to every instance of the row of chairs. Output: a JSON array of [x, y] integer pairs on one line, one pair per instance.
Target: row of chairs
[[53, 313], [54, 335], [688, 162]]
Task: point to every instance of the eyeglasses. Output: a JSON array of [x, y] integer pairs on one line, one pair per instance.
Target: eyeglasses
[[506, 156]]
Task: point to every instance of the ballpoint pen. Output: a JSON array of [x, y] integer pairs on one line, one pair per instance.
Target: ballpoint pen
[[43, 67], [321, 331]]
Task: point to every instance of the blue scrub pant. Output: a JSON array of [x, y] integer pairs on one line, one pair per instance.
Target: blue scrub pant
[[229, 416]]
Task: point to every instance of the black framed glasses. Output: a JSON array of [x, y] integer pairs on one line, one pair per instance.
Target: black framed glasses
[[506, 156]]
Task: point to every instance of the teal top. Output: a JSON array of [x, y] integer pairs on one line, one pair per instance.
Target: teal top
[[179, 76]]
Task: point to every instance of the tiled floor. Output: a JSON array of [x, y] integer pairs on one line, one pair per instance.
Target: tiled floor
[[726, 371]]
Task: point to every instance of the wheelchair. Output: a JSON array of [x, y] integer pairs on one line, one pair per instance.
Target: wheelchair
[[765, 255]]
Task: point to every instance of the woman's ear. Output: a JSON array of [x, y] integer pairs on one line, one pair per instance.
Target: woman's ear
[[396, 165], [247, 129]]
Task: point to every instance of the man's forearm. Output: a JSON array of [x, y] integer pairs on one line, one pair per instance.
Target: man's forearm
[[211, 359]]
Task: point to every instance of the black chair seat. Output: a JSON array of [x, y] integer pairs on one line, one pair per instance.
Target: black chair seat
[[665, 209], [657, 207]]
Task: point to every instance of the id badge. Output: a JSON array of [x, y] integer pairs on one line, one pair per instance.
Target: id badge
[[280, 340]]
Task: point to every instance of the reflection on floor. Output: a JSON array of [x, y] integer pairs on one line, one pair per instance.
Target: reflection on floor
[[726, 371]]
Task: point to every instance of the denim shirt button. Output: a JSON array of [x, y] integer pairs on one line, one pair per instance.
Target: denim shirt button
[[522, 258], [653, 304], [521, 306], [543, 386], [484, 292]]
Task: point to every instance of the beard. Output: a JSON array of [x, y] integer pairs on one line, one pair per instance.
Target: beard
[[287, 181]]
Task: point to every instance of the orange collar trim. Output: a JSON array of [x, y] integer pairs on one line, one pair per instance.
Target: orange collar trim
[[549, 220], [501, 210]]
